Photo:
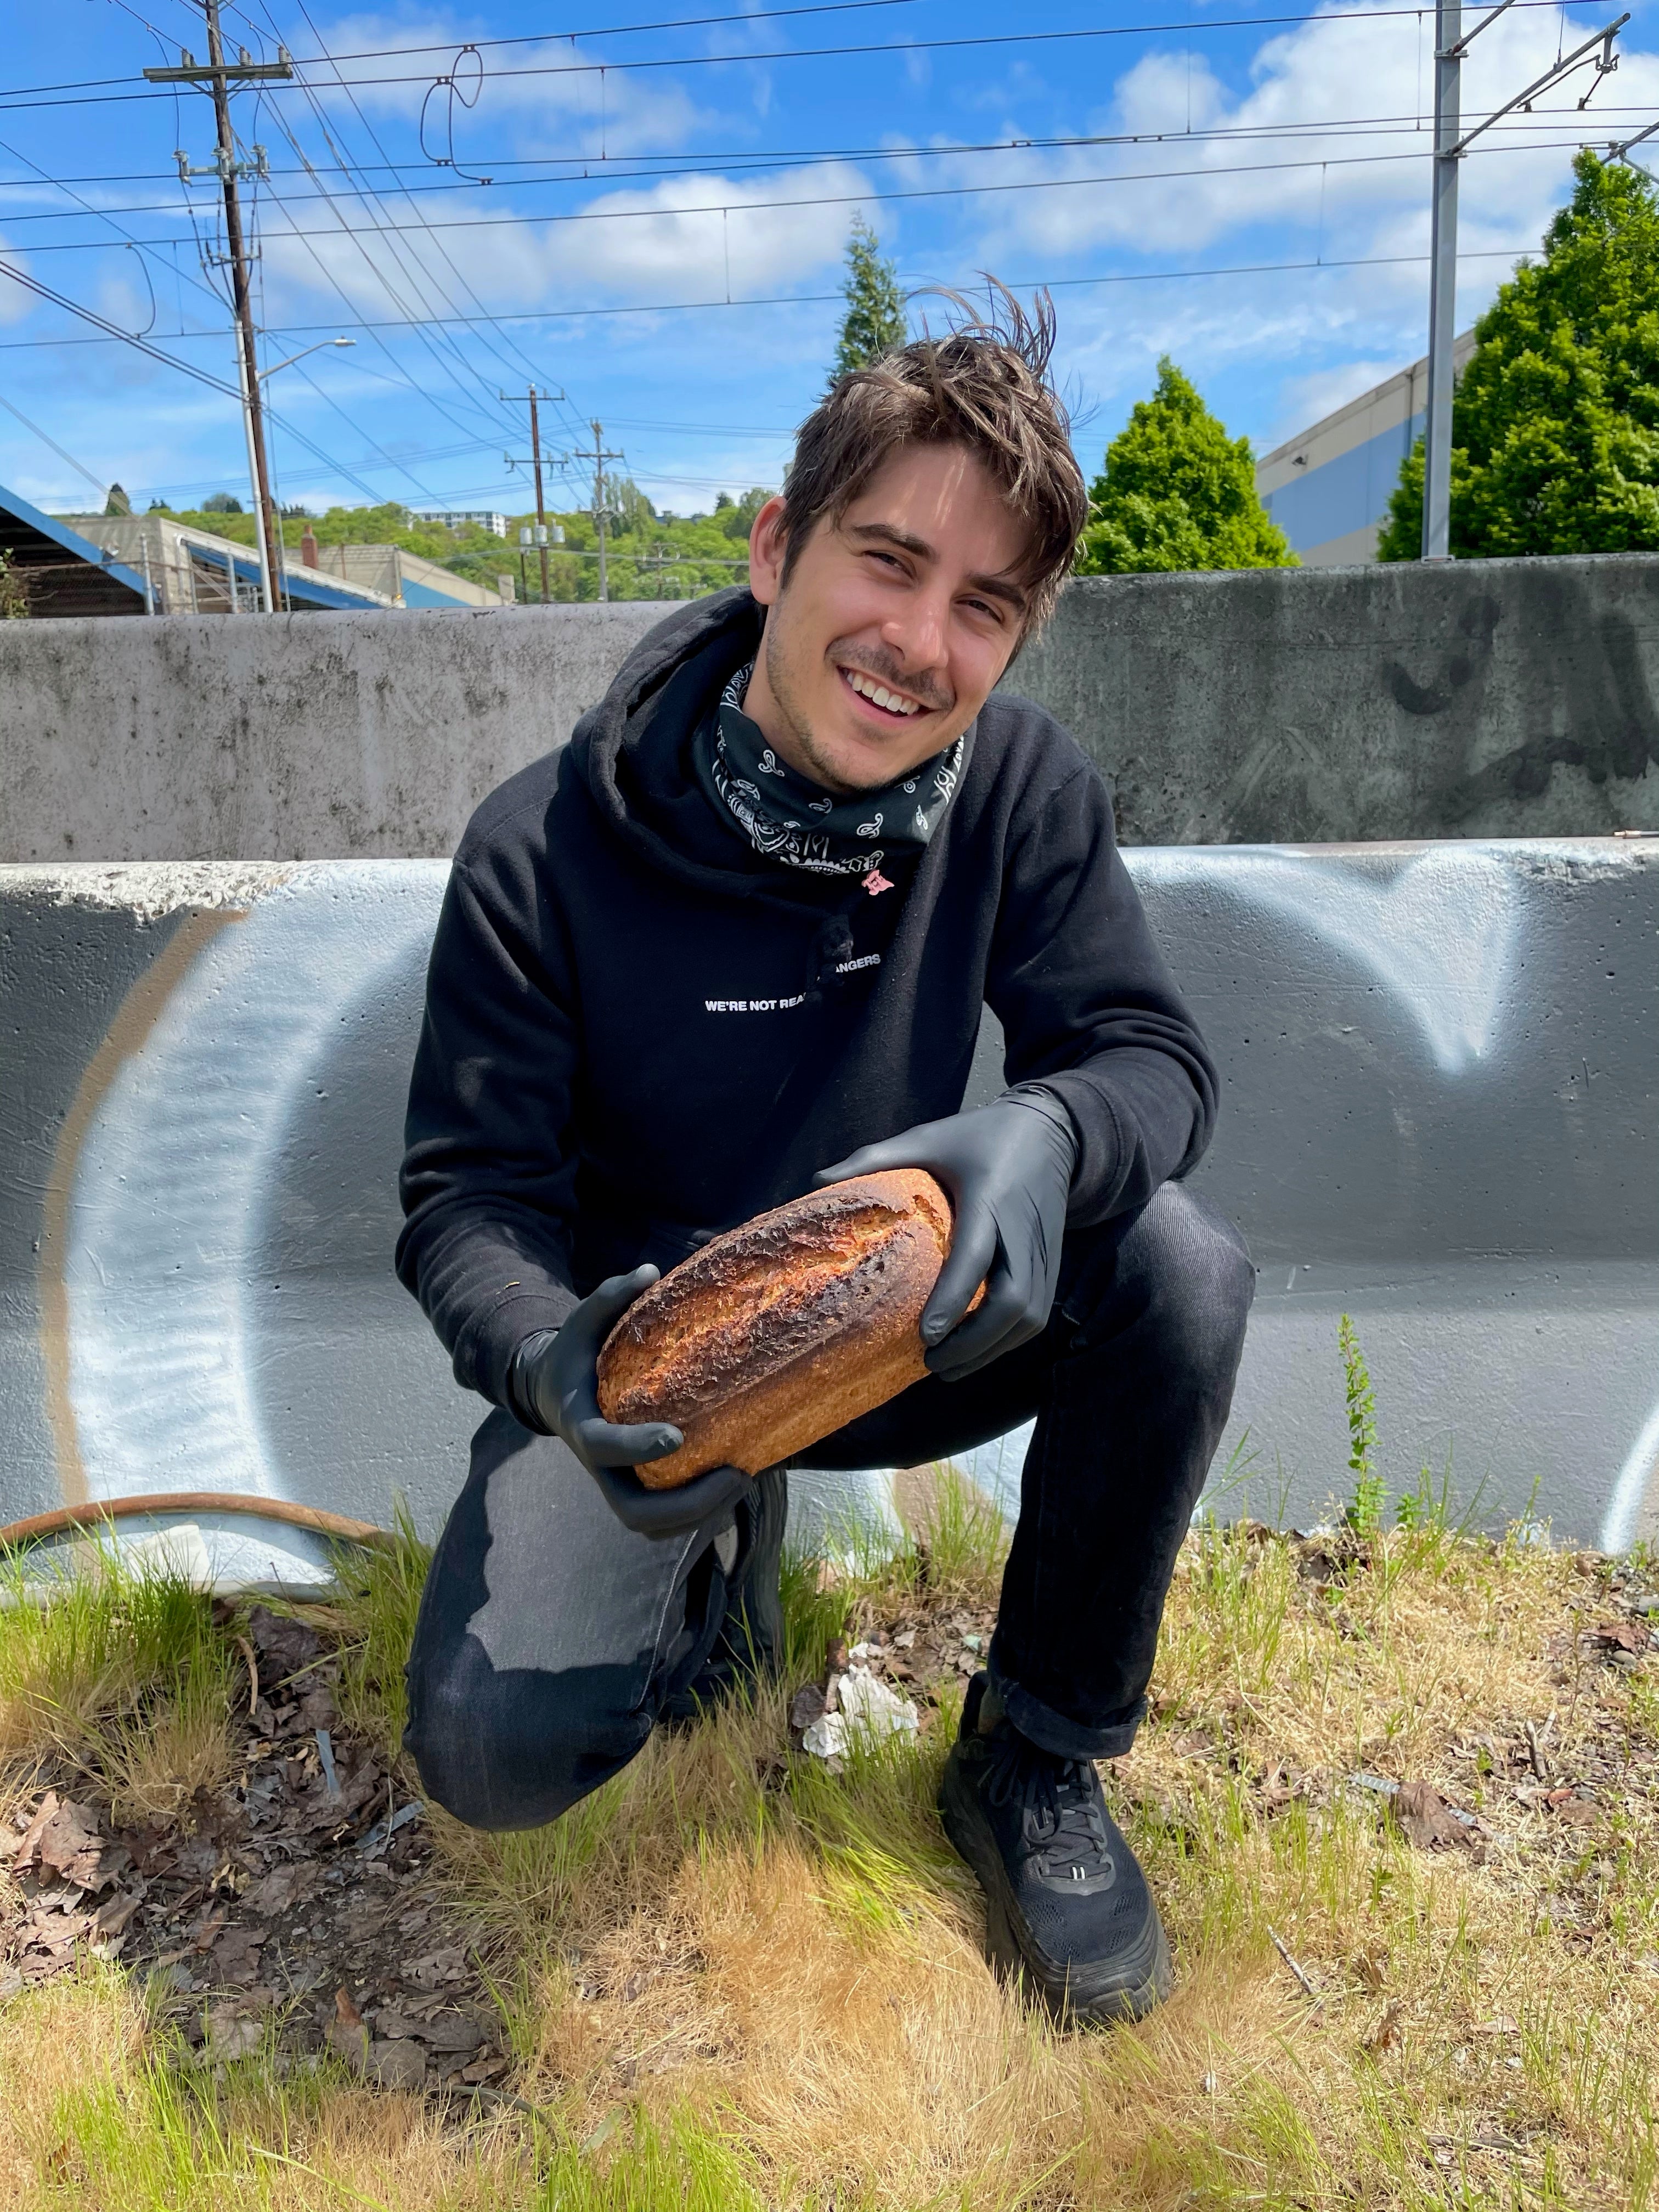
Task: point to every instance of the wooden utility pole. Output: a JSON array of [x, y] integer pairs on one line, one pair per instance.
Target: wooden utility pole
[[541, 508], [217, 79], [534, 398], [600, 457]]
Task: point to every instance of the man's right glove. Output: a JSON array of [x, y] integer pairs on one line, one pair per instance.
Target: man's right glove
[[1008, 1169], [552, 1387]]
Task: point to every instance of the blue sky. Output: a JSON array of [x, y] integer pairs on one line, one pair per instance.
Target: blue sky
[[642, 172]]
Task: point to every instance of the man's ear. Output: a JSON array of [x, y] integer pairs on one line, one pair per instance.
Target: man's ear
[[768, 543]]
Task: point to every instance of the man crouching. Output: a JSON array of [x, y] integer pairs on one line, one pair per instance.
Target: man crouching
[[734, 940]]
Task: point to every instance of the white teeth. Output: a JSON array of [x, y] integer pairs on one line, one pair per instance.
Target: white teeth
[[879, 695]]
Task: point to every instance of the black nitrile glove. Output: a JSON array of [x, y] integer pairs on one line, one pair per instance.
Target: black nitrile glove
[[552, 1387], [1008, 1169]]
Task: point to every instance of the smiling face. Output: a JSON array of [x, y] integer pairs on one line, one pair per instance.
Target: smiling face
[[895, 623]]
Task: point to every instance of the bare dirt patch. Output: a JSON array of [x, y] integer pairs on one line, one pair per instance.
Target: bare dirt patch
[[295, 1902]]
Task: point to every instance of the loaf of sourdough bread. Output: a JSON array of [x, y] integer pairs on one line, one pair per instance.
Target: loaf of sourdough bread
[[782, 1330]]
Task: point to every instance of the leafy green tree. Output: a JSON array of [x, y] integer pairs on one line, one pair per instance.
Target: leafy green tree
[[1555, 420], [1177, 493], [736, 517], [874, 322], [627, 504]]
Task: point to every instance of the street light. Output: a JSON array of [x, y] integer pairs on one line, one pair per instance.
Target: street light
[[321, 346], [269, 532]]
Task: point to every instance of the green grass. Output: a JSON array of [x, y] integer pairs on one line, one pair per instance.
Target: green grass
[[122, 1671], [733, 1979]]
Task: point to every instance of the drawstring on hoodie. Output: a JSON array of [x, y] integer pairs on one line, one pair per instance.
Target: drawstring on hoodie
[[832, 948]]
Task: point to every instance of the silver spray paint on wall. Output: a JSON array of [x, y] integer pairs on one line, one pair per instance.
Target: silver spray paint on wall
[[1440, 1071]]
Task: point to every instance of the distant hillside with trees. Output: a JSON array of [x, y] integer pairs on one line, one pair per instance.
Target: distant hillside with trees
[[648, 556]]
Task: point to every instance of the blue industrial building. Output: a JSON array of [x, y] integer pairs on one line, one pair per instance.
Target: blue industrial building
[[1327, 488]]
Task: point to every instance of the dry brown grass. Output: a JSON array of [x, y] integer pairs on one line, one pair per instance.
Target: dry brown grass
[[734, 1980]]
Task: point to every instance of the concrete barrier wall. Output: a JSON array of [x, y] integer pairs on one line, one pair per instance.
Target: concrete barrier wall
[[1441, 1067], [1510, 698], [284, 738], [1467, 699]]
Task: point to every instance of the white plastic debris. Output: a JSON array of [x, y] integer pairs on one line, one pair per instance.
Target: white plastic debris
[[180, 1553], [866, 1710]]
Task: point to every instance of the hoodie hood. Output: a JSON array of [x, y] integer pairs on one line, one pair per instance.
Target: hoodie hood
[[625, 750]]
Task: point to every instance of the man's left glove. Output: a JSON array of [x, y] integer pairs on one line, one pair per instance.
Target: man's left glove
[[1008, 1169], [552, 1386]]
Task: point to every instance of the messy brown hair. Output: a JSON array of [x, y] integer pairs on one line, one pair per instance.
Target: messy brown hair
[[984, 384]]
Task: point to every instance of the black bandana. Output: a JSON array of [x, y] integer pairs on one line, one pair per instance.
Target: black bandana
[[791, 820]]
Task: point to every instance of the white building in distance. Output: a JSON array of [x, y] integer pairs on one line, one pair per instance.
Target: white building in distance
[[457, 518]]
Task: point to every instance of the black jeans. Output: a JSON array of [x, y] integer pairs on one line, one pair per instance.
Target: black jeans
[[551, 1638]]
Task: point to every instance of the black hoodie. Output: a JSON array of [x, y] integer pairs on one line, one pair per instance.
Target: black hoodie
[[639, 1031]]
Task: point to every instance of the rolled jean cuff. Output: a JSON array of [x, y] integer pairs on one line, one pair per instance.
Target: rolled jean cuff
[[1052, 1731]]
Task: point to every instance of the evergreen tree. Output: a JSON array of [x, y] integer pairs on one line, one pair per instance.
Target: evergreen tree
[[1555, 420], [1177, 493], [874, 322]]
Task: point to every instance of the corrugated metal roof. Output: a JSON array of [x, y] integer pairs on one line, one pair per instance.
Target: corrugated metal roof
[[66, 574]]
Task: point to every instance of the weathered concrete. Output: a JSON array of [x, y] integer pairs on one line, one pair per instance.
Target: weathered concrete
[[314, 736], [1479, 699], [1441, 1066], [1473, 699]]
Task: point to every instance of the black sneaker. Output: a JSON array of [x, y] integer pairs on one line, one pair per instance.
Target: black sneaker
[[750, 1641], [1068, 1907]]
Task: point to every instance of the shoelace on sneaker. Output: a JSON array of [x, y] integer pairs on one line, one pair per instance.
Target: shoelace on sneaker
[[1059, 1795]]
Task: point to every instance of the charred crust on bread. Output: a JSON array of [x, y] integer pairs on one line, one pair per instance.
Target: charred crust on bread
[[816, 1298]]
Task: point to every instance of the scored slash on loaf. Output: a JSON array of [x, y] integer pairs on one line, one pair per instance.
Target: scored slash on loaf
[[783, 1330]]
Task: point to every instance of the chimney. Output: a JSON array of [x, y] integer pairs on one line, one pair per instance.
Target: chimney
[[308, 547]]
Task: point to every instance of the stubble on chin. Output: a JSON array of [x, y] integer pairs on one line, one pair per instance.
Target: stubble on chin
[[785, 697]]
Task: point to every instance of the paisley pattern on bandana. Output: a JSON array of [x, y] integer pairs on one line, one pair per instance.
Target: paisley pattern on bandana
[[794, 821]]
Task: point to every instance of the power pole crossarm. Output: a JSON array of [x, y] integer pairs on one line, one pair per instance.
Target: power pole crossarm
[[244, 70], [1565, 67], [1621, 151]]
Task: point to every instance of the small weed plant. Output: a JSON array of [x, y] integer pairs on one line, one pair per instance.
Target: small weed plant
[[1365, 1507]]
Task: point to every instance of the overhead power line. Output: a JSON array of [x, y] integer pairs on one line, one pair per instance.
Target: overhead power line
[[32, 283], [523, 38], [80, 469], [1186, 29], [734, 161], [727, 208], [112, 332], [420, 277], [578, 169], [776, 299]]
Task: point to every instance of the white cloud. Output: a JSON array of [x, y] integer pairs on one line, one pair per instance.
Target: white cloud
[[1317, 73], [685, 238], [16, 301], [1283, 333], [1305, 399], [551, 100]]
